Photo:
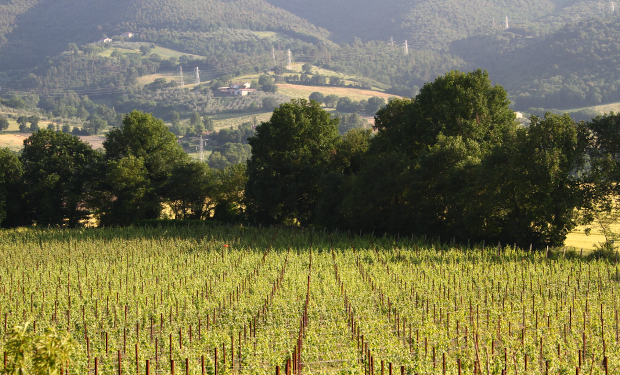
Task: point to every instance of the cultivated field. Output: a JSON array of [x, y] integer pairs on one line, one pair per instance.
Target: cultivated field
[[245, 300], [301, 91]]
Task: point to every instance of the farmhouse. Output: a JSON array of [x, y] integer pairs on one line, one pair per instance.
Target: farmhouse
[[245, 85], [236, 89], [127, 35]]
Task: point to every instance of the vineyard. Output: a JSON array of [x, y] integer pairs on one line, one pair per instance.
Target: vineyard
[[243, 300]]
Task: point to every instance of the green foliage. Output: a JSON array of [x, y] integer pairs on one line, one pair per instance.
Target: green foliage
[[317, 97], [58, 171], [141, 156], [451, 160], [145, 136], [350, 121], [331, 100], [10, 187], [83, 22], [229, 154], [289, 154], [346, 105], [374, 104], [126, 194], [190, 190], [4, 123], [239, 135], [29, 353]]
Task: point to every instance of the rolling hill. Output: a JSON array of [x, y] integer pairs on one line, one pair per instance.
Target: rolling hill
[[434, 24], [33, 29]]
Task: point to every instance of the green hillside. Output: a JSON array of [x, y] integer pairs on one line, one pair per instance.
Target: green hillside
[[573, 67], [433, 24], [35, 29]]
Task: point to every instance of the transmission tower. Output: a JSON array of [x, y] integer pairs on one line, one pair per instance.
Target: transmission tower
[[273, 53], [493, 23], [196, 76], [613, 7], [181, 82], [507, 22], [201, 149], [290, 60], [406, 48], [392, 41]]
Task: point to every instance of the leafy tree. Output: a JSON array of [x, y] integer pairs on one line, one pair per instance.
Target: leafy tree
[[350, 121], [331, 100], [4, 123], [422, 166], [374, 104], [143, 135], [346, 105], [10, 187], [95, 125], [335, 81], [22, 121], [270, 87], [66, 128], [128, 194], [196, 123], [217, 160], [229, 154], [229, 197], [58, 171], [290, 152], [335, 186], [267, 84], [177, 128], [190, 189], [145, 49], [603, 177], [532, 187], [154, 153], [16, 102], [317, 97], [269, 103], [307, 68], [209, 123]]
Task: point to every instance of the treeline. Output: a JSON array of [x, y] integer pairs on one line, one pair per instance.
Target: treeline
[[74, 113], [59, 180], [449, 163]]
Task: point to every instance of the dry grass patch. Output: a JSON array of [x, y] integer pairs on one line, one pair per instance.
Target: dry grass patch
[[299, 91]]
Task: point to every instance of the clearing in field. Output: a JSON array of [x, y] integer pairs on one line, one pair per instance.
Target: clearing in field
[[222, 300]]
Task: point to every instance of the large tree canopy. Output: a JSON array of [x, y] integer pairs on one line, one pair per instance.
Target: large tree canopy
[[147, 137], [58, 171], [290, 152], [141, 155], [452, 162]]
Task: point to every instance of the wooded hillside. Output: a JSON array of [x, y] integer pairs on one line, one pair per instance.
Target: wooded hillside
[[45, 27]]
